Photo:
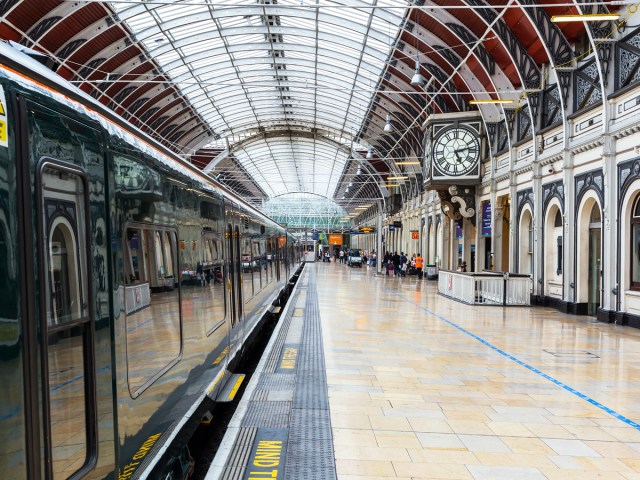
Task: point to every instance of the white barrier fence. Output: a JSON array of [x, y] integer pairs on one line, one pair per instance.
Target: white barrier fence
[[486, 288]]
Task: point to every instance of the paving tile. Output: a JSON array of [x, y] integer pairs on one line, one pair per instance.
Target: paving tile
[[575, 448]]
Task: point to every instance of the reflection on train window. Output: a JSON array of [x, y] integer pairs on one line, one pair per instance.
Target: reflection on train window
[[152, 302], [69, 350], [203, 292], [248, 267], [259, 267]]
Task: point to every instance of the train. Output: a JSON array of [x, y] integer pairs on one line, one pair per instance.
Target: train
[[130, 286]]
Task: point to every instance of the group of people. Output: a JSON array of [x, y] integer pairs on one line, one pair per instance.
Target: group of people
[[341, 256], [402, 266]]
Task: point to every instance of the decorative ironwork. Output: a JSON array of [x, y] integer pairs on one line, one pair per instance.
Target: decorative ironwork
[[470, 39], [628, 172], [550, 34], [448, 54], [587, 85], [529, 71], [523, 197], [589, 181], [600, 31], [553, 190], [534, 102], [71, 47], [465, 199], [551, 107], [628, 60], [564, 77], [39, 30], [524, 124], [502, 137]]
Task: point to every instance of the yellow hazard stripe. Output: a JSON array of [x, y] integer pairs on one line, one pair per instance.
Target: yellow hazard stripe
[[235, 388]]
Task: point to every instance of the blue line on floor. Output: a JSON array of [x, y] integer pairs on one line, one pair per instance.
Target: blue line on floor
[[581, 395]]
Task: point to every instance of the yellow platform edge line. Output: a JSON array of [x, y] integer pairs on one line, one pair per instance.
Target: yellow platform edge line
[[235, 388]]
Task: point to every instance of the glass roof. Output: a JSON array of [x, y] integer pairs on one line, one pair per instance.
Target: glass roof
[[307, 212], [255, 66]]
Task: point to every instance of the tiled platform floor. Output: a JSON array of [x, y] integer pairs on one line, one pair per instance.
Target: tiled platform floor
[[413, 397]]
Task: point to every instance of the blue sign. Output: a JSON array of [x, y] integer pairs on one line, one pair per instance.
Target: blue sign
[[315, 236], [391, 228], [486, 219], [458, 231]]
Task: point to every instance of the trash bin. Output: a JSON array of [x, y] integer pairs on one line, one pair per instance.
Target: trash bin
[[432, 272]]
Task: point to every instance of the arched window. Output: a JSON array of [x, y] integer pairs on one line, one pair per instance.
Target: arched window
[[635, 245], [558, 225]]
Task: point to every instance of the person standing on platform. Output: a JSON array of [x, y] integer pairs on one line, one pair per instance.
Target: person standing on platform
[[404, 264], [341, 256], [386, 260], [419, 265], [396, 263]]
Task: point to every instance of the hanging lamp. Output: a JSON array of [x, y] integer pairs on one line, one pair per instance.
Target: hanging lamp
[[388, 127], [418, 79]]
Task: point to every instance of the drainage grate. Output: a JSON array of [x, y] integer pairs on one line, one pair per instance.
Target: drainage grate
[[571, 353]]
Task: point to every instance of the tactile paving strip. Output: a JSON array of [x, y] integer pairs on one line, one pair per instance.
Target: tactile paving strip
[[240, 454], [274, 356], [267, 414], [310, 449], [276, 381]]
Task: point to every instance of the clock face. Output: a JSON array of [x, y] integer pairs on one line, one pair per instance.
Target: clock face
[[456, 151]]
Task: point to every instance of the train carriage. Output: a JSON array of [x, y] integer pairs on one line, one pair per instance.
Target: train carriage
[[126, 295]]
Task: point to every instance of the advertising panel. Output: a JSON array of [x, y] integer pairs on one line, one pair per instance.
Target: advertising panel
[[486, 219], [415, 235], [335, 239]]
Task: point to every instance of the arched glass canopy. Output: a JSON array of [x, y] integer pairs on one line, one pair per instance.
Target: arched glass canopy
[[254, 67], [305, 212]]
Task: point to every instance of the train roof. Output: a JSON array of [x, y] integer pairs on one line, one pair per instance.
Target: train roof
[[28, 72]]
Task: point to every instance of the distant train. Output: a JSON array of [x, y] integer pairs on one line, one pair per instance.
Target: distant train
[[129, 283]]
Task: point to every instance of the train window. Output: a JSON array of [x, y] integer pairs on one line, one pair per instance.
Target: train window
[[152, 303], [203, 296], [68, 352], [249, 265], [259, 267]]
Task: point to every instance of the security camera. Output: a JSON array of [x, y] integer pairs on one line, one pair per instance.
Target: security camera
[[549, 168]]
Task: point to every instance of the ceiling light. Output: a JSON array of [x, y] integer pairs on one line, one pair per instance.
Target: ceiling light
[[417, 79], [390, 185], [350, 184], [369, 153], [361, 208], [407, 163], [400, 177], [387, 126], [359, 171], [479, 102], [585, 17]]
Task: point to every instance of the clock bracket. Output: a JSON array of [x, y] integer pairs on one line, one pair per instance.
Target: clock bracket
[[458, 203]]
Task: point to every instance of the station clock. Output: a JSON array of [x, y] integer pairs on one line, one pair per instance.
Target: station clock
[[453, 150]]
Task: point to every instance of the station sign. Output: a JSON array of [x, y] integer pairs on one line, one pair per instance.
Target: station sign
[[397, 224], [415, 235], [366, 229]]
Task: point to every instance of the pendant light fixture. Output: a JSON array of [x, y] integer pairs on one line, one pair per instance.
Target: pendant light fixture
[[418, 79], [388, 127], [369, 153]]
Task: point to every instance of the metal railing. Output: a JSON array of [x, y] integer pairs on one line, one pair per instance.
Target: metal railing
[[486, 288]]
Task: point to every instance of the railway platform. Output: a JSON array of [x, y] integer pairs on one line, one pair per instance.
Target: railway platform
[[370, 378]]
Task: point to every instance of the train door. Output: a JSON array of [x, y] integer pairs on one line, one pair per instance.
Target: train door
[[234, 282], [64, 253]]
